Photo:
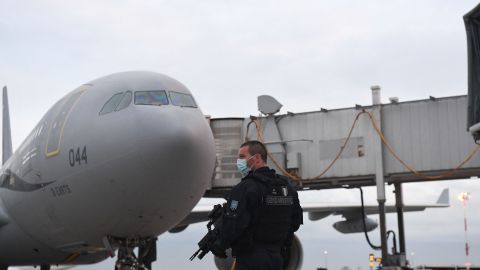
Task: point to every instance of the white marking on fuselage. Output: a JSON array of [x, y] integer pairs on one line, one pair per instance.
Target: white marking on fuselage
[[30, 154]]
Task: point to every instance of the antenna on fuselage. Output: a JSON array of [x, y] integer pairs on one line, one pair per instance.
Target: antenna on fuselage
[[6, 133]]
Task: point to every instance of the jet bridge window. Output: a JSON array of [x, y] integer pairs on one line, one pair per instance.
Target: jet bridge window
[[158, 98], [181, 99]]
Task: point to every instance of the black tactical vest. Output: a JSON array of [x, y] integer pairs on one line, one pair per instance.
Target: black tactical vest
[[273, 220]]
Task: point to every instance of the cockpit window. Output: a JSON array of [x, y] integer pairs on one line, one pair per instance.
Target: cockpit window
[[158, 98], [126, 100], [181, 99], [111, 104]]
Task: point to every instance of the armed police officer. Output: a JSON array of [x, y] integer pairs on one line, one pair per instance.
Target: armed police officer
[[261, 215]]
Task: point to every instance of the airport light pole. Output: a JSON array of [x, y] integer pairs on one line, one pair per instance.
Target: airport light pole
[[464, 197], [326, 261], [411, 259]]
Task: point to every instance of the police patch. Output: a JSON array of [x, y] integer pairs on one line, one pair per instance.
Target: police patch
[[233, 205], [278, 200]]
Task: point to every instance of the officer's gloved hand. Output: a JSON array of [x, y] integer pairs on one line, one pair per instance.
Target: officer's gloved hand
[[218, 250]]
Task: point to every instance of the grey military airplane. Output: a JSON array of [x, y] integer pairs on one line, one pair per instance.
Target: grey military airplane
[[112, 165]]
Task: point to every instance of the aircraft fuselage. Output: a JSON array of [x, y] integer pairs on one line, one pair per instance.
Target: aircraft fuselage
[[98, 164]]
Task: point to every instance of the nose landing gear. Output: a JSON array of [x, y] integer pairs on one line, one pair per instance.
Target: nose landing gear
[[128, 260]]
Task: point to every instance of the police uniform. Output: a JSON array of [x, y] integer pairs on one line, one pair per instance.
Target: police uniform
[[261, 215]]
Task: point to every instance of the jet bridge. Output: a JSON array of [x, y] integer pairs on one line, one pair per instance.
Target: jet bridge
[[421, 140]]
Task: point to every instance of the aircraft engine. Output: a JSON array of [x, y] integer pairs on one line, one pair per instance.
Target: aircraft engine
[[294, 263], [354, 225]]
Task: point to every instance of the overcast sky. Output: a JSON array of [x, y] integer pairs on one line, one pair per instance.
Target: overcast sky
[[307, 54]]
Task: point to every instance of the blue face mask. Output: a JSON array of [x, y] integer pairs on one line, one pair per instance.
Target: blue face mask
[[242, 166]]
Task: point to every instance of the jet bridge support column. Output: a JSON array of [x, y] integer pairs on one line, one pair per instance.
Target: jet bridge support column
[[401, 224], [383, 231], [379, 173]]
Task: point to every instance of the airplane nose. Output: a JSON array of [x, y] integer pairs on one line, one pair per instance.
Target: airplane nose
[[174, 167], [179, 140]]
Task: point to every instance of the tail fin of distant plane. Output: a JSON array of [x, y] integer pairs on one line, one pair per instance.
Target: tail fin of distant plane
[[6, 133], [444, 197]]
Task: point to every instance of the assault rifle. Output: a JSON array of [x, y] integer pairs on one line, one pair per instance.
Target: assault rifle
[[205, 245]]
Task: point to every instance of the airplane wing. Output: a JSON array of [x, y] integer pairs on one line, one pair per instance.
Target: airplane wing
[[355, 211], [198, 214], [317, 212]]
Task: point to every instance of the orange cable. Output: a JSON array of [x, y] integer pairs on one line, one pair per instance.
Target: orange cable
[[410, 168], [294, 177], [384, 141]]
